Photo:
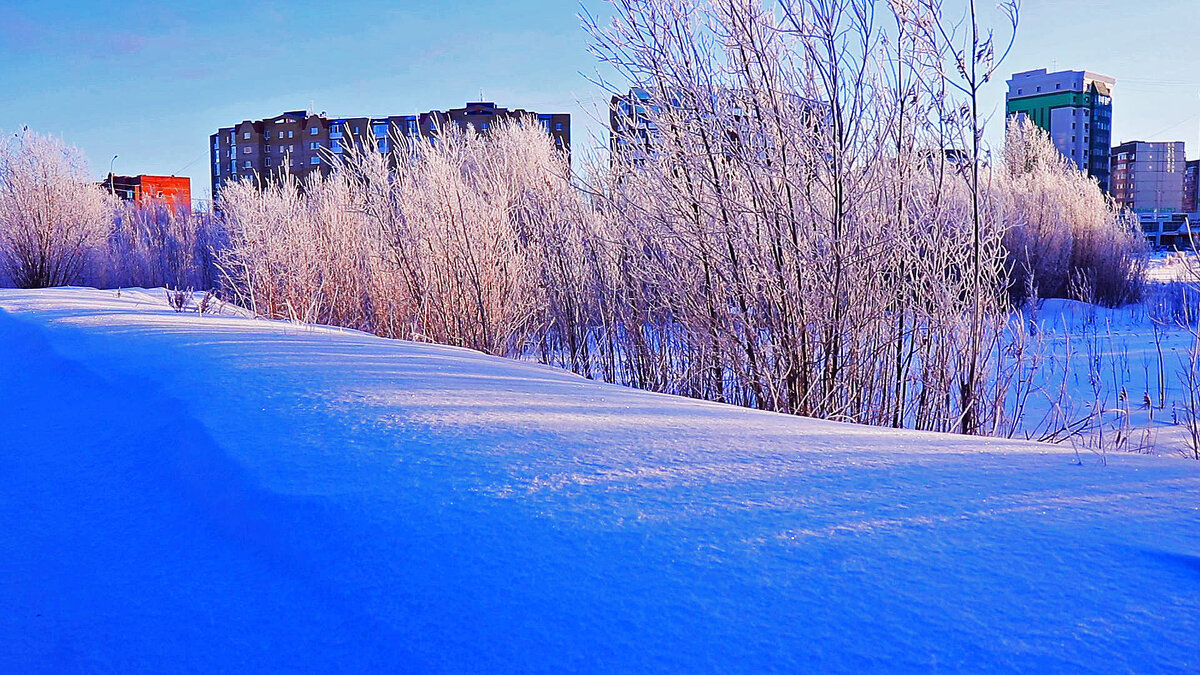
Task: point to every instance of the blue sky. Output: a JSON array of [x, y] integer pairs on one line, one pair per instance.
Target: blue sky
[[151, 80]]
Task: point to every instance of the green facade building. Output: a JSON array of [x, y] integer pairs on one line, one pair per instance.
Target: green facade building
[[1075, 108]]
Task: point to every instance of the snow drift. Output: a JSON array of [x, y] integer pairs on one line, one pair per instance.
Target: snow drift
[[197, 492]]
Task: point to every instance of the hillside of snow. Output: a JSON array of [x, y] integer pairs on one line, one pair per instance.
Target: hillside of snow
[[187, 492]]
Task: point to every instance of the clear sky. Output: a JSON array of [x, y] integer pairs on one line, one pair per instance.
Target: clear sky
[[149, 81]]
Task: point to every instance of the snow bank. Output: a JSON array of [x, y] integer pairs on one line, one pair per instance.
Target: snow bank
[[196, 492]]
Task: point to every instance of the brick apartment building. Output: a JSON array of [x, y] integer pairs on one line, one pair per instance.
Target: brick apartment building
[[1148, 176], [303, 142], [176, 190]]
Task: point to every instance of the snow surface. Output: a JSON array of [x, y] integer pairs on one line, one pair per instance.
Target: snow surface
[[1078, 341], [186, 492], [1166, 266]]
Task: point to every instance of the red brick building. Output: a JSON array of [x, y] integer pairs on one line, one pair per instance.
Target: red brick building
[[176, 190]]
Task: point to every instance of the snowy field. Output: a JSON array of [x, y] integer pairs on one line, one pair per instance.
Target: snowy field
[[187, 492]]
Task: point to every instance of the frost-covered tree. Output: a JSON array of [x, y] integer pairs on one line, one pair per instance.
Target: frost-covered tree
[[52, 216], [1064, 236], [797, 239], [156, 243]]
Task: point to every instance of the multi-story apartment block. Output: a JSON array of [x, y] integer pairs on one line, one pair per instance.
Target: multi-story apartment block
[[1191, 187], [634, 132], [303, 142], [1148, 177], [1075, 108], [175, 190]]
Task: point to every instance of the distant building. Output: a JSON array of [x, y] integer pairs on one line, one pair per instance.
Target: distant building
[[1148, 177], [634, 132], [304, 142], [951, 157], [1166, 230], [176, 190], [1191, 187], [1075, 108]]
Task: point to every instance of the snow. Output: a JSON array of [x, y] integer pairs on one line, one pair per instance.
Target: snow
[[1094, 358], [1168, 266], [187, 492]]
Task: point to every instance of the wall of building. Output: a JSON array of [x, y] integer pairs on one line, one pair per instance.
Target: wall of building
[[1191, 187], [176, 190], [1149, 176]]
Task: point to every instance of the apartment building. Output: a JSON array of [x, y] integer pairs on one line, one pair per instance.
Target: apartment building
[[1149, 177], [1075, 108], [176, 190], [303, 142], [634, 132]]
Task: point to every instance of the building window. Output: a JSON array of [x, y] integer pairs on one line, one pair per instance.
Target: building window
[[290, 132], [558, 126], [336, 145], [246, 164], [380, 130], [312, 131], [315, 145], [246, 135], [315, 160], [246, 150], [267, 135]]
